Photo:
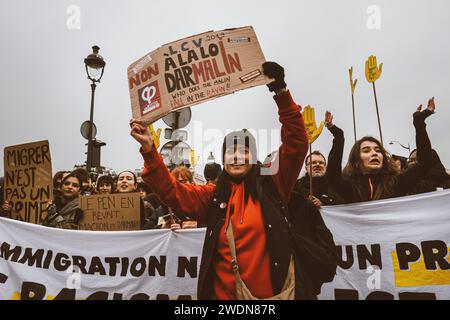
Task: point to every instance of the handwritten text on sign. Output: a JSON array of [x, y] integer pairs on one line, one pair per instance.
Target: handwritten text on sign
[[194, 70], [112, 212], [28, 180]]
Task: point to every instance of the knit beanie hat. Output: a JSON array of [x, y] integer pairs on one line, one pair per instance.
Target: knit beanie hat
[[242, 137]]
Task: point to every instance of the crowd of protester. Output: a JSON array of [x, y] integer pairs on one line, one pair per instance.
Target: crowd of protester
[[63, 210], [371, 173], [239, 202]]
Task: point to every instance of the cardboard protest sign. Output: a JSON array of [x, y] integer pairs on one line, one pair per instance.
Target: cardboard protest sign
[[193, 70], [28, 180], [110, 212]]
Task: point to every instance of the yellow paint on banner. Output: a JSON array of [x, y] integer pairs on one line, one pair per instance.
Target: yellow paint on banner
[[15, 296], [418, 275]]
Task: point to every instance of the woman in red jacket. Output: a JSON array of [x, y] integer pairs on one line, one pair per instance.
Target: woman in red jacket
[[253, 204]]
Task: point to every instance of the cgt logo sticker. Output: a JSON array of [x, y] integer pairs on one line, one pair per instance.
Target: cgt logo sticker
[[149, 98]]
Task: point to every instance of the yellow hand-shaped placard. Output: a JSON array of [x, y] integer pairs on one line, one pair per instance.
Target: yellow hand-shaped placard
[[193, 159], [312, 130], [352, 84], [373, 72], [155, 135]]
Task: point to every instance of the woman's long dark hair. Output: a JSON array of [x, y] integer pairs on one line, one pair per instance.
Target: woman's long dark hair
[[354, 171], [354, 168]]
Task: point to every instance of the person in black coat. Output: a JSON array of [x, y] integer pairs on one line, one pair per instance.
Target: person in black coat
[[436, 176], [322, 194], [370, 173]]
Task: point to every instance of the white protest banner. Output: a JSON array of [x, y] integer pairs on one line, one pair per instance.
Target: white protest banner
[[391, 249], [28, 180], [43, 263], [193, 70]]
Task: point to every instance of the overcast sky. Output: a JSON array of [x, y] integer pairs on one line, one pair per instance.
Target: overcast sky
[[45, 94]]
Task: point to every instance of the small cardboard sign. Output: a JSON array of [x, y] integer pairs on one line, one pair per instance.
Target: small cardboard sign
[[110, 212], [193, 70], [28, 180]]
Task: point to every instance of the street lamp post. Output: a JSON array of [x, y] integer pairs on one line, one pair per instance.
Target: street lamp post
[[95, 65], [404, 147], [211, 158]]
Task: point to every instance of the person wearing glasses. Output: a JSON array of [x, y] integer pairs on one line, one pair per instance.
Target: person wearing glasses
[[64, 212], [322, 193]]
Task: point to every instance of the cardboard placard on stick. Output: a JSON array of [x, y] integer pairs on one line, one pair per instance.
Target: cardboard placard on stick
[[193, 70], [110, 212], [28, 180]]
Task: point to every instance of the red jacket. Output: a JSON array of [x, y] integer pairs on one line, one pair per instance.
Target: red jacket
[[249, 232]]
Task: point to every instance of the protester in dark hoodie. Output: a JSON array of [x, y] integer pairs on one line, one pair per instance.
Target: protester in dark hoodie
[[436, 176], [322, 194], [370, 173], [64, 212], [250, 248]]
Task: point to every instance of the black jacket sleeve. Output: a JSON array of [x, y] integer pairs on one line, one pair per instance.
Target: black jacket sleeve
[[334, 169], [411, 176]]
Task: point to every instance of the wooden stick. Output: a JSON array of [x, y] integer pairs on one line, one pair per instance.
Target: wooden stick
[[354, 120], [172, 219], [378, 114], [310, 171]]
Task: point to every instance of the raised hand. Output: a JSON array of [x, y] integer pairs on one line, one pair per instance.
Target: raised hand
[[310, 123], [141, 134], [420, 115], [352, 83], [431, 106], [373, 72], [155, 135], [328, 119], [274, 71]]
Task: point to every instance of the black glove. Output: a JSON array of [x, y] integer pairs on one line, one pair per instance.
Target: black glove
[[420, 116], [274, 71]]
